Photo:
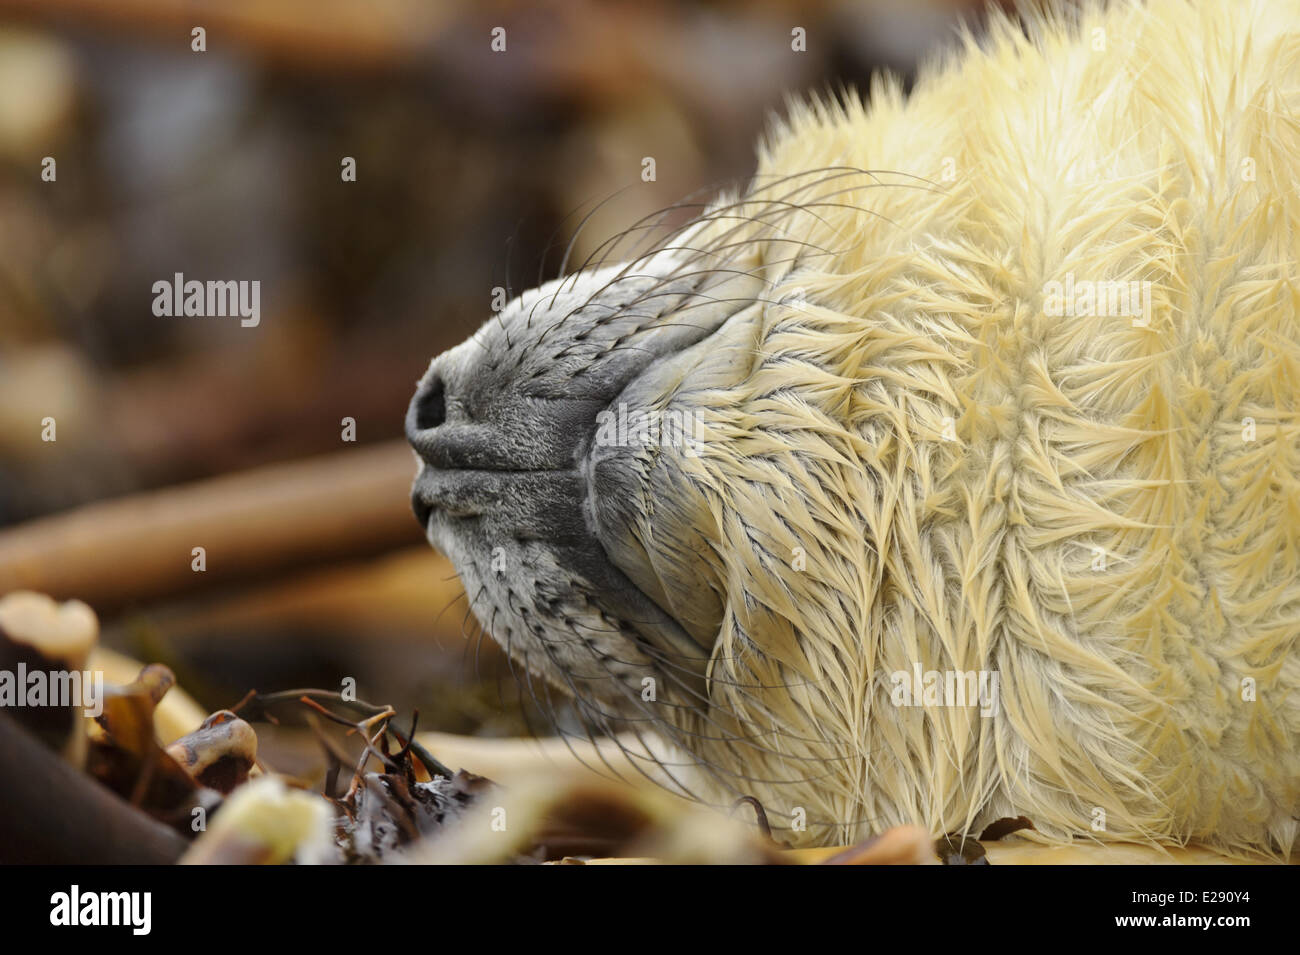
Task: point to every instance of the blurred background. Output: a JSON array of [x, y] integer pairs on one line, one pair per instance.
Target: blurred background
[[474, 169]]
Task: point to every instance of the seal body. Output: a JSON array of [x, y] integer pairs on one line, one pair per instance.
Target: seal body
[[946, 473]]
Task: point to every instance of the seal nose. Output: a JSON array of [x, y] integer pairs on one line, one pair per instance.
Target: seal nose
[[428, 407], [428, 410]]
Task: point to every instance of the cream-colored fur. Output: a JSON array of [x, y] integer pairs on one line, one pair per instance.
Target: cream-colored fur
[[999, 378], [923, 466]]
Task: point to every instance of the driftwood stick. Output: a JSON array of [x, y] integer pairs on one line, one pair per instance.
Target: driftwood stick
[[253, 524], [56, 815]]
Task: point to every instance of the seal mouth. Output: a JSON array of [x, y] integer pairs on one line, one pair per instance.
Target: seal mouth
[[466, 467], [461, 494], [469, 470], [432, 497]]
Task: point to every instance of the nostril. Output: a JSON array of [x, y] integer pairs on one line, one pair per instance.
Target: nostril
[[431, 404]]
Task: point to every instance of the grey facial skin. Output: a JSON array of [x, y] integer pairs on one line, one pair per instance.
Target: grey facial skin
[[514, 489]]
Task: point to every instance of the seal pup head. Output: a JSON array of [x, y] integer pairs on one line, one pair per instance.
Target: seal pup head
[[520, 431], [574, 461]]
